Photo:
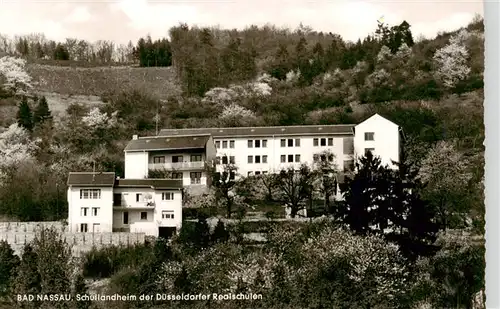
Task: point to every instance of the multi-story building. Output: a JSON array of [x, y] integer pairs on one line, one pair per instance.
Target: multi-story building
[[158, 168], [256, 150], [100, 202]]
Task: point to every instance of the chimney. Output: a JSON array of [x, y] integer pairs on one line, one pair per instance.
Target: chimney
[[135, 136]]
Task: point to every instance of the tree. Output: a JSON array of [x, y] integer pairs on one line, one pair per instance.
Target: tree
[[13, 75], [28, 280], [8, 268], [220, 233], [60, 52], [223, 181], [326, 171], [81, 288], [451, 63], [42, 112], [295, 187], [24, 115], [446, 171]]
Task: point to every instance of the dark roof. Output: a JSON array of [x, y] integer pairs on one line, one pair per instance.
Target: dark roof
[[168, 143], [89, 179], [147, 183], [340, 129]]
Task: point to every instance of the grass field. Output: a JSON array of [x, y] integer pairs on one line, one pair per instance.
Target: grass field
[[96, 81]]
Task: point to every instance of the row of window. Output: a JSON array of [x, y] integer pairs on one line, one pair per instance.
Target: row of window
[[84, 212], [84, 228], [224, 144], [177, 159], [369, 136], [225, 160], [257, 159], [289, 158], [90, 194], [256, 173], [323, 141]]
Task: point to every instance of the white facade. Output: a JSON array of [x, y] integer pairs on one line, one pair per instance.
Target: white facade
[[90, 209], [144, 210], [268, 152], [123, 207], [381, 137]]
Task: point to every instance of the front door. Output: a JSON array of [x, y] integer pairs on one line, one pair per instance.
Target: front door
[[97, 228]]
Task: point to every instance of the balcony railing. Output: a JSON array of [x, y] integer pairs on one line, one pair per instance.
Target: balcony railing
[[177, 165]]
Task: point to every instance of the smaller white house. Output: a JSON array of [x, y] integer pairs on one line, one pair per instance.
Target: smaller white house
[[99, 202], [381, 137]]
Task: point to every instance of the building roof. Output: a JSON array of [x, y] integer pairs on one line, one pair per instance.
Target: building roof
[[90, 179], [148, 183], [168, 143], [338, 129]]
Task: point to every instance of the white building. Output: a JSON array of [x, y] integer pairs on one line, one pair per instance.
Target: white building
[[99, 202], [256, 150], [178, 158]]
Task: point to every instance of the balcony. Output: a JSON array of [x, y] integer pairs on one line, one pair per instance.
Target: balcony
[[178, 165]]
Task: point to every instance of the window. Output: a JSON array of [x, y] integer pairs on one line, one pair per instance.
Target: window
[[231, 144], [95, 211], [84, 228], [323, 142], [167, 196], [224, 144], [177, 175], [257, 173], [96, 228], [90, 194], [159, 159], [177, 159], [232, 175], [369, 136], [195, 158], [257, 159], [125, 217], [257, 143], [217, 144], [144, 215], [297, 158], [330, 158], [367, 150], [297, 142], [250, 159], [264, 159], [117, 199], [315, 142], [249, 173], [195, 178], [250, 143], [84, 211], [232, 160], [138, 197], [316, 157], [167, 214], [290, 142], [217, 160], [264, 172], [283, 158], [330, 141], [264, 143], [290, 158], [224, 160], [283, 142]]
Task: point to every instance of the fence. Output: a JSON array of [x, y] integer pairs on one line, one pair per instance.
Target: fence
[[17, 234]]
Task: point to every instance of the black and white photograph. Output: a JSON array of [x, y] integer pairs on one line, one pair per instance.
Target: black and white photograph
[[242, 154]]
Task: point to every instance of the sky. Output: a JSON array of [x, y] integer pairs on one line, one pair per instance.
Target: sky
[[121, 21]]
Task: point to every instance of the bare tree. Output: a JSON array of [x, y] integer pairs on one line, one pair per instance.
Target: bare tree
[[223, 181], [326, 176], [295, 186]]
